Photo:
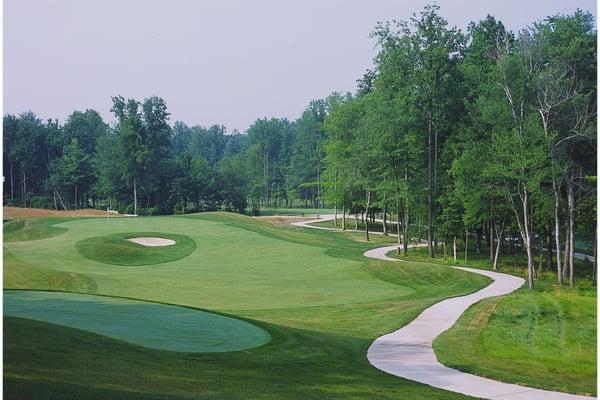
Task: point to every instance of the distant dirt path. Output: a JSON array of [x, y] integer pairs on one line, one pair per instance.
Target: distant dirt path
[[408, 352], [20, 212]]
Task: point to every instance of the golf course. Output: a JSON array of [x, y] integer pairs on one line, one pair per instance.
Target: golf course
[[238, 307], [265, 200]]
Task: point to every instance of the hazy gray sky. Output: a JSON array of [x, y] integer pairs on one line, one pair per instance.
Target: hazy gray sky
[[226, 62]]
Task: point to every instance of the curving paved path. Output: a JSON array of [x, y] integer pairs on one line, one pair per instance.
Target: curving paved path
[[408, 352]]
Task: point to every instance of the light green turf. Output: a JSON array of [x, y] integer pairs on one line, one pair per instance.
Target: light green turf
[[235, 269], [153, 325]]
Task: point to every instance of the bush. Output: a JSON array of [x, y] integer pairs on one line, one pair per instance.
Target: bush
[[40, 202], [150, 211]]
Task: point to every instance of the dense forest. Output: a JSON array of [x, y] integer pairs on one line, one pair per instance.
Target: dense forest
[[484, 134]]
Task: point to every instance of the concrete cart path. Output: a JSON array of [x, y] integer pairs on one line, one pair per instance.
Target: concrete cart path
[[408, 352]]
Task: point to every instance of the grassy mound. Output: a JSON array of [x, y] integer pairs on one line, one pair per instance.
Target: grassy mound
[[115, 249], [19, 230], [153, 325], [539, 339]]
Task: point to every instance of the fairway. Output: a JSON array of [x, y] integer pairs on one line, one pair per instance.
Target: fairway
[[152, 325], [235, 269]]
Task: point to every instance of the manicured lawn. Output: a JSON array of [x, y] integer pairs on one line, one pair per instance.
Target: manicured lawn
[[116, 250], [544, 338], [32, 229], [320, 300], [152, 325]]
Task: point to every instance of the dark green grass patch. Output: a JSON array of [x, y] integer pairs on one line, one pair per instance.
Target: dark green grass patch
[[19, 230], [116, 250], [147, 324]]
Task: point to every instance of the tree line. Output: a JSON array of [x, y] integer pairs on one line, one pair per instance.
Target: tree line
[[142, 165], [485, 134]]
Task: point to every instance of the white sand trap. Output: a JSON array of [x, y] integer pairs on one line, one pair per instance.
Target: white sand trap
[[152, 241]]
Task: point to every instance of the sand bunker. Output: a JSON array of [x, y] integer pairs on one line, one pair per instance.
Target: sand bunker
[[152, 241]]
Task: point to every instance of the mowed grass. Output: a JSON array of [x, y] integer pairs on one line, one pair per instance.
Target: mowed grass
[[32, 229], [148, 324], [545, 338], [320, 300], [115, 249], [238, 264]]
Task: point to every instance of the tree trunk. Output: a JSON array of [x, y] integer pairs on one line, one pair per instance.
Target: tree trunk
[[134, 196], [594, 263], [478, 241], [344, 217], [499, 233], [61, 201], [367, 215], [466, 243], [147, 202], [398, 224], [559, 264], [490, 240], [549, 249], [335, 215], [429, 191], [266, 177], [24, 190], [571, 206], [454, 248], [405, 234], [444, 245], [385, 230], [12, 188], [527, 238], [319, 187], [540, 260], [76, 197], [567, 252]]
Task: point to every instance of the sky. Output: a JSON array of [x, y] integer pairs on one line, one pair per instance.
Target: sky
[[224, 62]]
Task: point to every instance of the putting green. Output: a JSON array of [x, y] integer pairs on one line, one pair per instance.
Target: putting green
[[115, 249], [153, 325]]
